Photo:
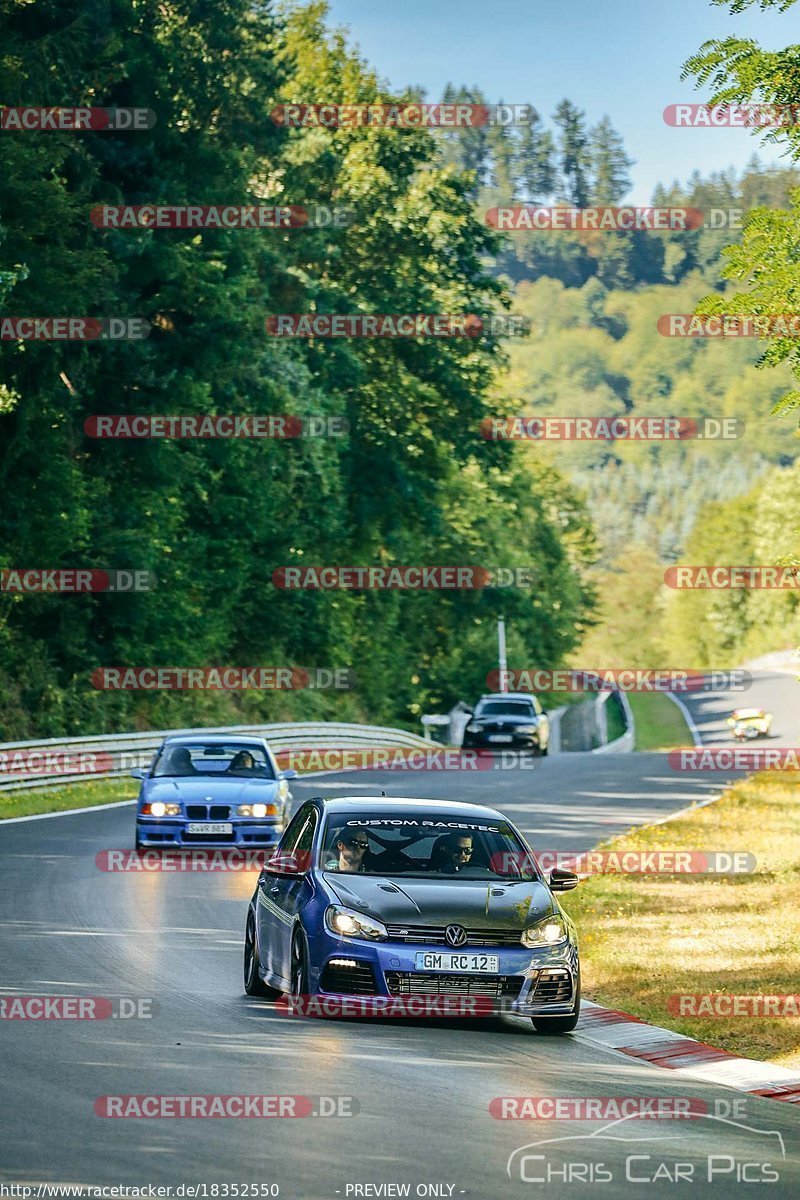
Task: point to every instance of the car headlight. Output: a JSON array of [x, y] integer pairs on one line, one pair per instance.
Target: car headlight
[[257, 810], [547, 932], [159, 809], [527, 729], [346, 922], [474, 727]]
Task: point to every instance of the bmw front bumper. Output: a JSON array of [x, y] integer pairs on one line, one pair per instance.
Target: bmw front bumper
[[172, 832]]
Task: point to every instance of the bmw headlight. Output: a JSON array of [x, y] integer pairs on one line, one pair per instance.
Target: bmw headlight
[[346, 922], [474, 727], [257, 810], [547, 932], [159, 809]]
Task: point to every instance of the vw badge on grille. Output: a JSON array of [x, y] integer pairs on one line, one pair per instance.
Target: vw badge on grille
[[455, 935]]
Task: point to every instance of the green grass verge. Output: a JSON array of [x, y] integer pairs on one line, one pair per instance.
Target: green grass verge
[[660, 724], [645, 938], [77, 795]]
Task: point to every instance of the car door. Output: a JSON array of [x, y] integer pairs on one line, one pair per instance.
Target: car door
[[279, 895]]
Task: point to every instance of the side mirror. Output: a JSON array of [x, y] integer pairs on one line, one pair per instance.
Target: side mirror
[[285, 866], [563, 881], [290, 774], [138, 773]]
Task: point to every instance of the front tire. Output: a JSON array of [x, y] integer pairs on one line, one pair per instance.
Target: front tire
[[299, 968], [253, 983], [559, 1025]]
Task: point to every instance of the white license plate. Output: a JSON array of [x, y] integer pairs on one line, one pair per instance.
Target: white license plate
[[209, 827], [500, 737], [429, 961]]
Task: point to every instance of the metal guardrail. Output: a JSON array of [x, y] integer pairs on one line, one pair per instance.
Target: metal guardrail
[[57, 762], [626, 743]]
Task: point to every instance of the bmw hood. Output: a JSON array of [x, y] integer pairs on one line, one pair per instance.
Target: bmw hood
[[475, 903], [210, 790]]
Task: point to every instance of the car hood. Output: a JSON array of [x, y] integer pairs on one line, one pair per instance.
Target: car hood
[[209, 789], [476, 903]]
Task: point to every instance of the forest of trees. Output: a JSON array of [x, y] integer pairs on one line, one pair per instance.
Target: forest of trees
[[412, 482]]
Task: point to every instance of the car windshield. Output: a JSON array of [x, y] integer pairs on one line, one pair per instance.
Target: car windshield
[[430, 845], [506, 708], [234, 759]]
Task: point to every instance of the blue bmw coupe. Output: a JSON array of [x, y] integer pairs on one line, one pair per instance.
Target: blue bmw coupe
[[408, 898], [212, 790]]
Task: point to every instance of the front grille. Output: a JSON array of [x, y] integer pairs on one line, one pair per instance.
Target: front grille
[[409, 983], [433, 935], [355, 980], [551, 986], [204, 812]]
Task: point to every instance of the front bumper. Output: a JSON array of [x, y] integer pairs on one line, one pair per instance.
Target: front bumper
[[518, 741], [524, 982], [172, 832]]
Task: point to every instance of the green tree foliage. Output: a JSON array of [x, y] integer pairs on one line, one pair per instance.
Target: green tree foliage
[[412, 483], [574, 156], [609, 164], [764, 262]]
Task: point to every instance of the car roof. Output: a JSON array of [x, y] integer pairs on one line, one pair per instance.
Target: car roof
[[507, 696], [376, 805], [214, 739]]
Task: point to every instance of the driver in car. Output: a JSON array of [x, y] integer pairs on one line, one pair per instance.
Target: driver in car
[[348, 853], [242, 761], [180, 762], [452, 853]]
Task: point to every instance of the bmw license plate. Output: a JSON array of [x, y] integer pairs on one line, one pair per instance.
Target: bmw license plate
[[209, 827], [500, 737], [429, 961]]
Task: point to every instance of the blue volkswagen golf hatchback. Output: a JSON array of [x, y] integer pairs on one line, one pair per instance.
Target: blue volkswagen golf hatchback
[[408, 898]]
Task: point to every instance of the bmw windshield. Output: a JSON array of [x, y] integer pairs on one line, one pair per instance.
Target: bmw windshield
[[431, 846], [244, 760]]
